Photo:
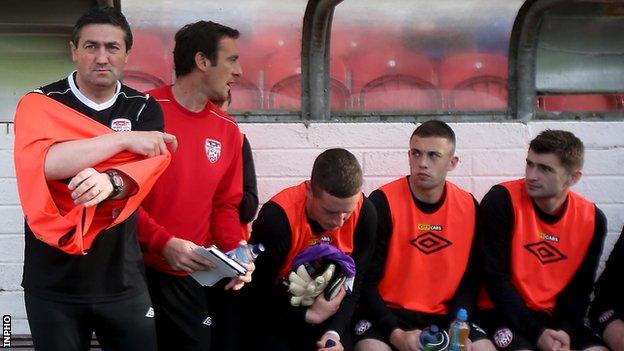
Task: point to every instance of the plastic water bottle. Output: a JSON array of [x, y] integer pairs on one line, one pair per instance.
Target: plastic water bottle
[[433, 339], [246, 253], [459, 331]]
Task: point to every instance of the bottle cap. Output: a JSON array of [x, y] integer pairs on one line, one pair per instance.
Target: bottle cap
[[462, 314], [258, 248]]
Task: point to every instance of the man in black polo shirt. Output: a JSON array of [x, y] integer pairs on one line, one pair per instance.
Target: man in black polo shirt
[[102, 289]]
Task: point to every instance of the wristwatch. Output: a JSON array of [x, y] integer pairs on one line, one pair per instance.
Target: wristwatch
[[117, 182]]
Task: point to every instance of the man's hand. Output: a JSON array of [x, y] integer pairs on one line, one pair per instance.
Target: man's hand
[[90, 187], [553, 340], [149, 144], [322, 309], [613, 335], [238, 282], [405, 340], [181, 256], [484, 344]]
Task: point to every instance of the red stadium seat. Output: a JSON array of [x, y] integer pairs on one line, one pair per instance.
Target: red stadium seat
[[349, 42], [247, 90], [272, 40], [245, 96], [141, 81], [393, 78], [283, 81], [256, 50], [578, 102], [251, 60], [150, 64], [474, 81]]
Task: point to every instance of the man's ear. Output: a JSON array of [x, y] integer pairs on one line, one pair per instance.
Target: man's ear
[[127, 54], [453, 163], [73, 48], [308, 185], [575, 177], [201, 61]]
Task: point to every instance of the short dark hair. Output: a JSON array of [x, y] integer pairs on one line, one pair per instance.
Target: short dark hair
[[197, 37], [433, 128], [568, 148], [337, 172], [103, 15]]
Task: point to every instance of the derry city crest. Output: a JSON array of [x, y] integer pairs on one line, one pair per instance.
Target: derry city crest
[[213, 150]]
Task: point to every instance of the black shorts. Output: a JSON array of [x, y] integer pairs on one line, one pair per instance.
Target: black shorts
[[227, 309], [505, 338], [183, 317], [120, 325], [363, 328]]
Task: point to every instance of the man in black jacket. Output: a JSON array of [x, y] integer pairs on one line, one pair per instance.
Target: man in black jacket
[[69, 296]]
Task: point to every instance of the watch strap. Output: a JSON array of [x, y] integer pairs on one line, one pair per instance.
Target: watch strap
[[116, 181]]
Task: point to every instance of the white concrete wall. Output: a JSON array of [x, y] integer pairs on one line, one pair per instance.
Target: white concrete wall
[[284, 153]]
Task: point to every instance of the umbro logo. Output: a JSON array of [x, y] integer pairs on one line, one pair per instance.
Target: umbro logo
[[545, 252], [207, 321], [429, 243]]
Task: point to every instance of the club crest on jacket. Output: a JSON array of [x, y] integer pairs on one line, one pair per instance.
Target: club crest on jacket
[[213, 150], [121, 125]]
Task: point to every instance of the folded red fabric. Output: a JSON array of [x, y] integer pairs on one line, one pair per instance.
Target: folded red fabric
[[50, 211]]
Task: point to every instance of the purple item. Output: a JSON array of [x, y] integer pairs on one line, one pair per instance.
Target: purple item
[[327, 252]]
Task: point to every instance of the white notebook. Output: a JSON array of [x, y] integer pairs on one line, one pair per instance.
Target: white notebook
[[226, 267]]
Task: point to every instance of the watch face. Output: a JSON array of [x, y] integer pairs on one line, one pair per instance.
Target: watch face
[[116, 180]]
